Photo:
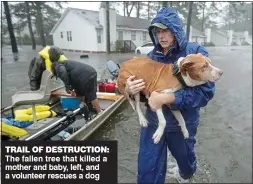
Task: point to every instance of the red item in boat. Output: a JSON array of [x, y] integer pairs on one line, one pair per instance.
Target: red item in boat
[[107, 87]]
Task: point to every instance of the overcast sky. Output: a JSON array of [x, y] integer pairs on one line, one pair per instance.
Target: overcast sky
[[83, 5], [92, 6]]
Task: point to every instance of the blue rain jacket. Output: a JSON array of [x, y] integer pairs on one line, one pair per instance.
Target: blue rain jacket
[[190, 99]]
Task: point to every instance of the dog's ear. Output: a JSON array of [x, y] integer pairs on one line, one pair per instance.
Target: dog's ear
[[186, 64]]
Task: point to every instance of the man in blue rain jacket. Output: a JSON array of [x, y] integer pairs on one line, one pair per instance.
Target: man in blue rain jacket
[[170, 43]]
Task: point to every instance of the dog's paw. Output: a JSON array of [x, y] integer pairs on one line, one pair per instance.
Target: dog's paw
[[185, 133], [143, 121], [157, 136]]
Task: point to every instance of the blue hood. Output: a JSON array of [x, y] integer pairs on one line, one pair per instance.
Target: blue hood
[[169, 18]]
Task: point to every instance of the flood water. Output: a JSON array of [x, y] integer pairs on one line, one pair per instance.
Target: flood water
[[224, 138]]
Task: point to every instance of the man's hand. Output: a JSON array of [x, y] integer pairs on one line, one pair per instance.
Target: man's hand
[[134, 86], [156, 100], [72, 93]]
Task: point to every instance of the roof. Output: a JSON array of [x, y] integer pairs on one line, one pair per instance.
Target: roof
[[59, 21], [132, 22], [93, 18], [89, 15], [197, 33], [221, 32]]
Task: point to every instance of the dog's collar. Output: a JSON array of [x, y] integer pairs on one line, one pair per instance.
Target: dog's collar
[[177, 73]]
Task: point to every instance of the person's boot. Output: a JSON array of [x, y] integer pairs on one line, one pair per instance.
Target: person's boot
[[84, 110], [91, 108], [174, 173], [100, 112]]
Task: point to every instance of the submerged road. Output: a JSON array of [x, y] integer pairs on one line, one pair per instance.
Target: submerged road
[[224, 138]]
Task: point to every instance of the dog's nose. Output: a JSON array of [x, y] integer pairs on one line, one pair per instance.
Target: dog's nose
[[220, 72]]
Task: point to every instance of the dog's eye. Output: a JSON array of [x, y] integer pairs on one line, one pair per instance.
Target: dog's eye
[[205, 66]]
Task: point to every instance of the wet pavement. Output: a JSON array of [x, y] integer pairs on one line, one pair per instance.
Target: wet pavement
[[224, 138]]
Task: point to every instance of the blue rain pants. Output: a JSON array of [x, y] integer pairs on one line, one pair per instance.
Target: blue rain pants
[[152, 158]]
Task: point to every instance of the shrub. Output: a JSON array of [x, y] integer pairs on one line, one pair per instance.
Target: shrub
[[245, 43], [234, 44], [26, 40], [208, 44], [119, 45]]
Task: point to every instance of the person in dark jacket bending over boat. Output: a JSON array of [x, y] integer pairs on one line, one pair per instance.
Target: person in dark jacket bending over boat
[[41, 63], [80, 78]]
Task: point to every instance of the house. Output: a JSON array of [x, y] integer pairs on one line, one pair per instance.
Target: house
[[217, 37], [249, 39], [196, 36], [85, 30], [240, 37], [227, 38]]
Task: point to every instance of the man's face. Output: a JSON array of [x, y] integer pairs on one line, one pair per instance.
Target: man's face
[[165, 37]]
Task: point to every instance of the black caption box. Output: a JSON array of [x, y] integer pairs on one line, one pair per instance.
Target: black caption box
[[59, 162]]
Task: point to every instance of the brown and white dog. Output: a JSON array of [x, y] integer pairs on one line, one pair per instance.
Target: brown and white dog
[[192, 70]]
